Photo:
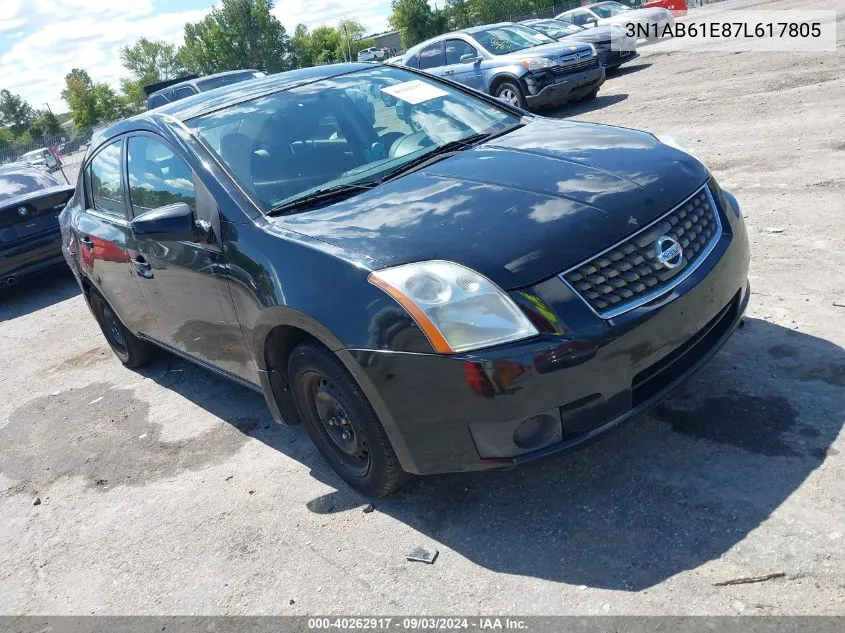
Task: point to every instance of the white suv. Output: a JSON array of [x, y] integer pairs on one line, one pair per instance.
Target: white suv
[[371, 54]]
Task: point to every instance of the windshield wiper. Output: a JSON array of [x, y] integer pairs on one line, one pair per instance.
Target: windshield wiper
[[438, 153], [321, 196], [341, 192]]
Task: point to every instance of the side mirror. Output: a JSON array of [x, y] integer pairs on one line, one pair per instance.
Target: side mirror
[[592, 22], [170, 223], [469, 58]]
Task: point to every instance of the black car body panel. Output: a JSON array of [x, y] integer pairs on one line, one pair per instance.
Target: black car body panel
[[30, 240], [581, 175], [520, 209]]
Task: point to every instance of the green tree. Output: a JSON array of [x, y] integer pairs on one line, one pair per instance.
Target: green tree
[[15, 113], [300, 48], [6, 138], [325, 45], [148, 62], [45, 126], [238, 34], [414, 20], [459, 13], [80, 98], [351, 33], [108, 104]]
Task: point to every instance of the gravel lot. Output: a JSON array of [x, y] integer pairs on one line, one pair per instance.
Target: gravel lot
[[172, 491]]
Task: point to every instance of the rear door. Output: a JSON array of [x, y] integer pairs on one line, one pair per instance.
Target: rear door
[[185, 283], [103, 238], [468, 74], [433, 59]]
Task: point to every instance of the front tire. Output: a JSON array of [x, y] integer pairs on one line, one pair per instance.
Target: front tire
[[511, 93], [342, 423], [132, 351]]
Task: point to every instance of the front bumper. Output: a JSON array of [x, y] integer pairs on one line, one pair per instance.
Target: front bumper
[[31, 256], [567, 88], [460, 413], [614, 59]]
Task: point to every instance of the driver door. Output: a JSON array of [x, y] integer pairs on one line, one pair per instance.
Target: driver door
[[184, 282], [467, 73]]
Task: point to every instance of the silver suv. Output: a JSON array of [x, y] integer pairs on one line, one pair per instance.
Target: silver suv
[[512, 62]]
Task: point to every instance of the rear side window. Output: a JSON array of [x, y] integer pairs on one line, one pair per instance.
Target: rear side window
[[157, 176], [104, 181], [23, 182], [413, 61], [184, 91], [156, 101], [432, 56]]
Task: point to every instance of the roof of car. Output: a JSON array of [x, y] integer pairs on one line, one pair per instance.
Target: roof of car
[[192, 81]]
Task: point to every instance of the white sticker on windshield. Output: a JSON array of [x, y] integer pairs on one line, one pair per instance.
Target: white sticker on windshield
[[415, 91]]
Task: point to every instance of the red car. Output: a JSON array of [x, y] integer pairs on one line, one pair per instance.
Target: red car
[[677, 7]]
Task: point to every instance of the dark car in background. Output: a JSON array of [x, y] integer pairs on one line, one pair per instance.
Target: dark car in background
[[613, 46], [478, 290], [172, 90], [514, 63], [30, 202]]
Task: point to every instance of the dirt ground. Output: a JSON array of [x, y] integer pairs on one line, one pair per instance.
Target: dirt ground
[[169, 490]]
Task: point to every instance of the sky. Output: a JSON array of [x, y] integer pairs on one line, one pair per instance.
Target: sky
[[41, 40]]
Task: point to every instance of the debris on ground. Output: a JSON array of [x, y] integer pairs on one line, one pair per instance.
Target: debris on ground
[[369, 508], [422, 555], [750, 579], [839, 304], [96, 400], [37, 501], [775, 229]]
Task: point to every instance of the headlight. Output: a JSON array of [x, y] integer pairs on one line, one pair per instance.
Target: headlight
[[539, 63], [671, 141], [457, 308]]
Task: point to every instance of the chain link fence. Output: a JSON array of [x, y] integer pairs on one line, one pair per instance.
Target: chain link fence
[[60, 155]]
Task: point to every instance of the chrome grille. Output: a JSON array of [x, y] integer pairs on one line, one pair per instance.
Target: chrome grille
[[631, 273], [577, 67]]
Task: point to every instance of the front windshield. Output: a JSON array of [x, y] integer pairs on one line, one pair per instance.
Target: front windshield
[[353, 128], [609, 9], [557, 28], [502, 40]]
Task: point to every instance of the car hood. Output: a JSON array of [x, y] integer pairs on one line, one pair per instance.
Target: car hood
[[554, 49], [597, 34], [518, 209], [655, 14]]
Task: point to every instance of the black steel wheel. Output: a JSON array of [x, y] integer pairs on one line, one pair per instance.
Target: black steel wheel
[[341, 421], [132, 351]]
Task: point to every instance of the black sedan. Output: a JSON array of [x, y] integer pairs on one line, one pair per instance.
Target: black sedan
[[30, 202], [612, 45], [456, 286]]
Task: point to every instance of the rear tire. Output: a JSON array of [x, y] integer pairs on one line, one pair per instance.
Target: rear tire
[[342, 423], [132, 351], [511, 93]]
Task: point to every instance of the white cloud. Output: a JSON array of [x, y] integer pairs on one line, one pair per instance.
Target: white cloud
[[41, 40]]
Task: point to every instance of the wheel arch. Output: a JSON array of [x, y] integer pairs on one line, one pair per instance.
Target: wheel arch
[[281, 330]]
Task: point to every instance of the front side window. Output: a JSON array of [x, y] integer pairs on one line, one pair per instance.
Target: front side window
[[352, 129], [432, 56], [455, 49], [104, 181], [609, 9], [510, 39], [157, 176]]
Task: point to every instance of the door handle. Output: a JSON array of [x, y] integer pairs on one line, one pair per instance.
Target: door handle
[[448, 72], [142, 266], [87, 243]]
